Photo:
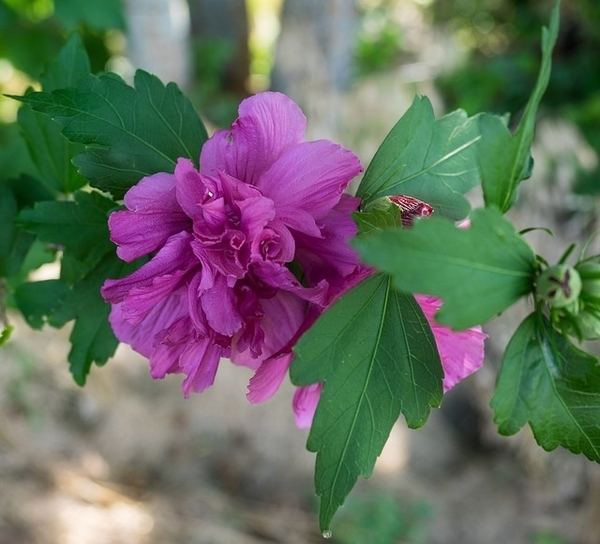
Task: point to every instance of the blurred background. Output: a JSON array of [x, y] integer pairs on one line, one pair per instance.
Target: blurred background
[[126, 460]]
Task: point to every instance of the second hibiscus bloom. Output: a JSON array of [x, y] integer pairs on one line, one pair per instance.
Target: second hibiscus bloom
[[225, 240]]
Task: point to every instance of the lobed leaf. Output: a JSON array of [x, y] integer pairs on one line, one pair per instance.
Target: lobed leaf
[[79, 227], [129, 132], [555, 387], [377, 357], [478, 272], [39, 301], [431, 159]]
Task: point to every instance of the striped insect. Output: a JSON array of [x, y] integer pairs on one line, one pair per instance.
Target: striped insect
[[411, 208]]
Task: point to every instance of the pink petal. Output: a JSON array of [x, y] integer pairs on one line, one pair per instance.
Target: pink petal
[[153, 193], [151, 283], [267, 379], [279, 276], [461, 352], [310, 176], [282, 317], [331, 255], [171, 344], [153, 216], [284, 314], [220, 309], [306, 400], [267, 124], [199, 361], [190, 190], [143, 336]]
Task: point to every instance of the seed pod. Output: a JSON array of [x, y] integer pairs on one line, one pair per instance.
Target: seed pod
[[559, 286], [589, 271]]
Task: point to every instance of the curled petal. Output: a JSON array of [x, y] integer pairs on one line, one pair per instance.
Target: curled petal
[[199, 361], [220, 308], [267, 378], [306, 400], [461, 352], [152, 216]]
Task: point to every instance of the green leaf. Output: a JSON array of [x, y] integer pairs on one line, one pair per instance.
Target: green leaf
[[71, 66], [376, 354], [129, 132], [14, 242], [97, 14], [50, 151], [504, 158], [433, 160], [546, 381], [478, 272], [382, 216], [92, 339], [5, 326], [38, 301], [80, 226]]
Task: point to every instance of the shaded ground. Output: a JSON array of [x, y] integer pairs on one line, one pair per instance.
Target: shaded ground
[[126, 461]]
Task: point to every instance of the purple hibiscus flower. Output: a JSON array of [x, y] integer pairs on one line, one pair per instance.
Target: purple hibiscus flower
[[219, 282], [223, 242]]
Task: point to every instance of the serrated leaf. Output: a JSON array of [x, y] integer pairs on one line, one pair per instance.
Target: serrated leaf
[[50, 151], [38, 301], [433, 160], [128, 132], [92, 339], [71, 65], [478, 272], [555, 387], [377, 357], [79, 226], [504, 158]]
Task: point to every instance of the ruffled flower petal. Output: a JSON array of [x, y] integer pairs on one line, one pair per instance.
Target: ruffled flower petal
[[267, 379], [268, 123], [306, 400], [461, 352], [199, 361], [153, 215], [154, 281], [310, 176]]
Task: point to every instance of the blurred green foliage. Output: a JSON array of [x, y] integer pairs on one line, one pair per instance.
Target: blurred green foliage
[[380, 40], [380, 518], [500, 67], [211, 59], [33, 31]]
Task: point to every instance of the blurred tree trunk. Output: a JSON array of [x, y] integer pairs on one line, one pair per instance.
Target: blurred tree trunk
[[225, 22], [314, 57], [158, 38]]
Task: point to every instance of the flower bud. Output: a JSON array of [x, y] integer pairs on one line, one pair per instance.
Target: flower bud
[[589, 271], [559, 286]]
